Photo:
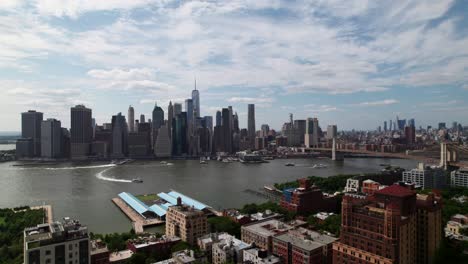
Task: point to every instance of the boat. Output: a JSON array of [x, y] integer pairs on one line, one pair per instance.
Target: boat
[[289, 164], [250, 158], [137, 180], [169, 164], [163, 162], [203, 161], [319, 166]]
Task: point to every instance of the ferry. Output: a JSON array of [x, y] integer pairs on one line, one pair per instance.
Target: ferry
[[250, 158], [137, 180]]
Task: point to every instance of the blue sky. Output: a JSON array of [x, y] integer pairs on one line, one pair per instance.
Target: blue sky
[[350, 63]]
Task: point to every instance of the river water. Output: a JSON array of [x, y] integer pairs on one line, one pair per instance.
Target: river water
[[85, 190]]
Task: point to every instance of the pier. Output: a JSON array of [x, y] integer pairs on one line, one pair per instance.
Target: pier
[[138, 222]]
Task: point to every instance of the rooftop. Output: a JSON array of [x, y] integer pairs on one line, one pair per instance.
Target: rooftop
[[306, 239], [120, 255], [268, 228], [69, 229], [396, 190]]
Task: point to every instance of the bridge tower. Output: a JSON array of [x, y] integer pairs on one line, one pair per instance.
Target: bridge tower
[[336, 155], [447, 155]]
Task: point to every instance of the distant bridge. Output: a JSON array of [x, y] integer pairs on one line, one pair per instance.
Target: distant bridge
[[446, 154]]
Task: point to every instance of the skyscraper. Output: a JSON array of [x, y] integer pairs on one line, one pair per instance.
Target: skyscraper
[[312, 132], [131, 119], [31, 128], [158, 121], [196, 100], [218, 118], [189, 111], [119, 136], [142, 118], [251, 124], [226, 131], [163, 146], [170, 118], [385, 126], [51, 138], [177, 109], [81, 132], [179, 134]]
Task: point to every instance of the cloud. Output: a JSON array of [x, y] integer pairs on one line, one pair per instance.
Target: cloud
[[5, 4], [379, 103], [122, 74], [250, 100]]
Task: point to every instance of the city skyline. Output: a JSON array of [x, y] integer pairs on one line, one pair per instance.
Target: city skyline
[[348, 63]]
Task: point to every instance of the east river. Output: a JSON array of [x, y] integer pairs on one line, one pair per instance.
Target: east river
[[85, 190]]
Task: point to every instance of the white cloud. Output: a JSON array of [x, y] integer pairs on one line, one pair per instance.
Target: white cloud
[[378, 103], [250, 100]]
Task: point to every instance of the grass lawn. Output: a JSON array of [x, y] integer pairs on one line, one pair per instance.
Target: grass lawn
[[147, 197]]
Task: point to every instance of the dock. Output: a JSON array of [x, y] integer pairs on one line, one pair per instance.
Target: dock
[[138, 222]]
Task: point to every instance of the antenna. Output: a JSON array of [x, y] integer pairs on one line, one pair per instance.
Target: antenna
[[195, 78]]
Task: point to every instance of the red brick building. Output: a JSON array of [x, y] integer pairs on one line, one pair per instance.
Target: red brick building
[[307, 199], [370, 187], [149, 245], [391, 226]]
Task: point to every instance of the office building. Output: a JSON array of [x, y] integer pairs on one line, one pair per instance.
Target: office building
[[391, 226], [177, 109], [119, 136], [385, 128], [262, 233], [170, 118], [426, 177], [24, 148], [208, 122], [179, 135], [260, 256], [157, 122], [81, 132], [332, 131], [251, 124], [312, 133], [307, 199], [301, 245], [186, 222], [218, 118], [196, 101], [139, 143], [189, 110], [459, 178], [226, 131], [163, 146], [131, 119], [57, 242], [442, 126], [410, 135], [51, 139], [142, 118], [31, 128]]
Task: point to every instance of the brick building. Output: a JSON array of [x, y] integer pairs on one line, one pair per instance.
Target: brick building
[[186, 222], [307, 199], [391, 226], [261, 233]]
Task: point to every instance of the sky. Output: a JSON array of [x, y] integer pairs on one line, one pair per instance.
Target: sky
[[354, 63]]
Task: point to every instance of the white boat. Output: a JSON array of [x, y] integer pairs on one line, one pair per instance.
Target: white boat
[[137, 180], [163, 162], [169, 164], [319, 166], [203, 161]]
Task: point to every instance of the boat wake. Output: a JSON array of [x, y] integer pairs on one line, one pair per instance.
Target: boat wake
[[100, 175], [83, 167]]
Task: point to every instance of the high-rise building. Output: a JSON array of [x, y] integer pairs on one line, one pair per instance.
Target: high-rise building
[[196, 100], [385, 126], [170, 118], [208, 122], [179, 135], [411, 122], [186, 222], [393, 225], [163, 146], [264, 130], [189, 110], [51, 138], [251, 124], [218, 118], [410, 135], [459, 178], [119, 136], [442, 125], [81, 132], [131, 119], [139, 143], [57, 242], [226, 130], [157, 122], [312, 132], [142, 118], [31, 128], [177, 109], [332, 132]]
